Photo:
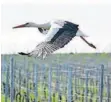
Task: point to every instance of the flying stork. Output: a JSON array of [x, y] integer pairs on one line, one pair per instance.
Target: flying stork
[[58, 34]]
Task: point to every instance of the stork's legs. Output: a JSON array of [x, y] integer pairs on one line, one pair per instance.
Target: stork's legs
[[90, 44]]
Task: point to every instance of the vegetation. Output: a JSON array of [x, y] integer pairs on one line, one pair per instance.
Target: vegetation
[[78, 89]]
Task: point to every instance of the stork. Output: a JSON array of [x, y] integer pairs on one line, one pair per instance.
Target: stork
[[58, 34]]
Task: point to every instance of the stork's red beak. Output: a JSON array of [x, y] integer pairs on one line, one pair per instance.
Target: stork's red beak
[[19, 26]]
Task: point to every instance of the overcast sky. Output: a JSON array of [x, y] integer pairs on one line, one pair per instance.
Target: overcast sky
[[93, 19]]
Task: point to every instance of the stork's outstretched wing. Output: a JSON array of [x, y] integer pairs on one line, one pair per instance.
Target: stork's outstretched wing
[[57, 37], [46, 48]]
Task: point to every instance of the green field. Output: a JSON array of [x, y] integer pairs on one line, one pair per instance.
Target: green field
[[60, 59]]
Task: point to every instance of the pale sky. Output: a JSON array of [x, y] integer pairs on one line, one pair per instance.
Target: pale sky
[[93, 19]]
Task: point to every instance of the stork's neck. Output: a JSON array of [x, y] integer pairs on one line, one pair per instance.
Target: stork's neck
[[45, 26]]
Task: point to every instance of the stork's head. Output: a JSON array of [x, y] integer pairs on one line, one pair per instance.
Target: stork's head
[[28, 24]]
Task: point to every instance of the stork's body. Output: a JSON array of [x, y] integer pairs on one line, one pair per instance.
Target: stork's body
[[58, 34]]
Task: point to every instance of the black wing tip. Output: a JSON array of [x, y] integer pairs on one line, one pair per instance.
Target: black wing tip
[[22, 53]]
